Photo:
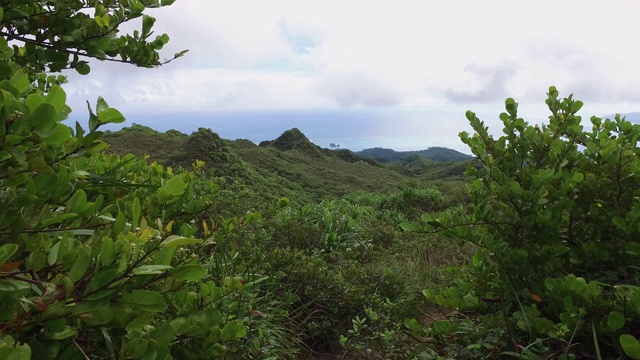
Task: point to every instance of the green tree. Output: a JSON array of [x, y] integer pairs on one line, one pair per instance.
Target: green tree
[[98, 254], [62, 34], [556, 219]]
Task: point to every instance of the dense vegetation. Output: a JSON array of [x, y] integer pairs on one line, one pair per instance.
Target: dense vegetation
[[434, 153], [288, 166], [192, 246]]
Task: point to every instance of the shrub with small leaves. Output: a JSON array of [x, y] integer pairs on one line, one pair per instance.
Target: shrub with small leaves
[[556, 218]]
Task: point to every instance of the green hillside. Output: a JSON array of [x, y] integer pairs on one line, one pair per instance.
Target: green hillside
[[440, 154], [289, 166]]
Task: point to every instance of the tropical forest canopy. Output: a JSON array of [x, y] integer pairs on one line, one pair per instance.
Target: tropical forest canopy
[[181, 246]]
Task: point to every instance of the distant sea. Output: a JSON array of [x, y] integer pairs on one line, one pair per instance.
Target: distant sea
[[350, 129]]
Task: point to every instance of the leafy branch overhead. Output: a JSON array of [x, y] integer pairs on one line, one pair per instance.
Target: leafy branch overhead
[[56, 35]]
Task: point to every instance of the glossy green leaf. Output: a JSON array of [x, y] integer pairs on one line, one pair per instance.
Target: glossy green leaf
[[171, 189], [64, 334], [107, 251], [5, 50], [175, 240], [102, 294], [179, 325], [13, 286], [78, 200], [197, 323], [615, 320], [110, 116], [577, 105], [58, 219], [147, 24], [180, 54], [83, 68], [10, 350], [57, 325], [20, 80], [144, 300], [103, 278], [37, 259], [630, 346], [412, 324], [99, 316], [56, 97], [233, 330], [34, 100], [136, 7], [120, 224], [6, 251], [52, 256], [189, 272], [83, 232], [102, 20], [44, 117], [136, 211], [135, 348], [7, 86], [151, 269], [165, 334], [632, 248], [101, 105], [620, 223], [578, 177], [59, 135], [80, 265], [88, 306]]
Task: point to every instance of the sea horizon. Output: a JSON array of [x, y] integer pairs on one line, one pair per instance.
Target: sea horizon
[[354, 130]]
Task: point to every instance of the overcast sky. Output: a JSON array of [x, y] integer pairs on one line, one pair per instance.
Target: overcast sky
[[401, 55]]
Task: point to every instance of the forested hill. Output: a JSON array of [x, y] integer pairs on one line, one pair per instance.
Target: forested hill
[[289, 166], [436, 153]]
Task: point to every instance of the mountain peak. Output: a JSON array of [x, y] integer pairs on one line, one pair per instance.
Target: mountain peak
[[293, 139]]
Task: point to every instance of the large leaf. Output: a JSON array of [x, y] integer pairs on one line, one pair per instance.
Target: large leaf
[[171, 189], [107, 251], [615, 320], [135, 213], [13, 285], [197, 323], [80, 266], [9, 350], [44, 117], [189, 272], [151, 269], [6, 251], [20, 80], [233, 330], [110, 116], [56, 97], [630, 346], [175, 240], [144, 300]]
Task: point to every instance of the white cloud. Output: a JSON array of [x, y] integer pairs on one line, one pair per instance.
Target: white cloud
[[405, 54], [359, 90]]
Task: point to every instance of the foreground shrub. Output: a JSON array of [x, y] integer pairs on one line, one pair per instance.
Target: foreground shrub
[[101, 256], [556, 217]]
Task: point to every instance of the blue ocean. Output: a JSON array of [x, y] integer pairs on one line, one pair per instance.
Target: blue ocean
[[347, 129]]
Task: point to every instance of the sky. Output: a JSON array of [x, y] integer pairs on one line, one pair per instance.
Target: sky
[[417, 59]]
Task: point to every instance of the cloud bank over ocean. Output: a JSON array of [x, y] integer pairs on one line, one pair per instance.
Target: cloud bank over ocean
[[360, 55]]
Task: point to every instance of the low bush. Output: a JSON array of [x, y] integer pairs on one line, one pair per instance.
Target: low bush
[[554, 216]]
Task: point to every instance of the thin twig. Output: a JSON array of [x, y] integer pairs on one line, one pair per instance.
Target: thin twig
[[80, 349]]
